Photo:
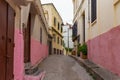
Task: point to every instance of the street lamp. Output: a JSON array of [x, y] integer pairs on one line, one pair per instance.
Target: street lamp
[[70, 27]]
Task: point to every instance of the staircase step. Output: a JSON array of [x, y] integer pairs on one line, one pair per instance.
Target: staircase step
[[27, 65], [31, 70], [39, 75]]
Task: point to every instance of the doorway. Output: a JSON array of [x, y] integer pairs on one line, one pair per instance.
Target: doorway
[[50, 47], [27, 41], [6, 41], [83, 27]]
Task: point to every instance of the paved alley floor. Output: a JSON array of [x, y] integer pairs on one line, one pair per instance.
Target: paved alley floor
[[60, 67]]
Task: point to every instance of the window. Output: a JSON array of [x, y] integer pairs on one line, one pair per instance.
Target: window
[[58, 25], [83, 27], [57, 51], [74, 30], [54, 50], [61, 29], [61, 41], [54, 37], [54, 21], [93, 10], [58, 40], [40, 35]]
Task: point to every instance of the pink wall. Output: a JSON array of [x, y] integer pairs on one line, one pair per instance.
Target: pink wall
[[38, 51], [18, 56], [105, 50]]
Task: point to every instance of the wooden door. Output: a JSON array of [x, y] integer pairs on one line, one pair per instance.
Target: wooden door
[[27, 41], [3, 27], [10, 43], [6, 41]]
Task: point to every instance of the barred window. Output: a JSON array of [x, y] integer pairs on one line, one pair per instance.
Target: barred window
[[93, 10], [54, 21], [40, 35], [58, 40], [58, 26]]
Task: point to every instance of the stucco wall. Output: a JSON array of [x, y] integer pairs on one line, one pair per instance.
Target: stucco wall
[[105, 50], [55, 43], [36, 29], [45, 8], [58, 19], [102, 36], [19, 47], [105, 18], [117, 13], [25, 10], [52, 12], [103, 43], [78, 17], [18, 56], [38, 50]]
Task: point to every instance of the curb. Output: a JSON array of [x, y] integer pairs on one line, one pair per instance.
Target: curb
[[97, 72]]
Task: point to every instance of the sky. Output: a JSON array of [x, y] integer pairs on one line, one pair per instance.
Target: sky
[[64, 7]]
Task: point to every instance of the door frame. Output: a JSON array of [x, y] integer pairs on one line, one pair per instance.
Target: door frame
[[28, 44]]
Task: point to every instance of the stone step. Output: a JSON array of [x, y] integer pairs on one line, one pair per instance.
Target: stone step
[[31, 70], [38, 75], [27, 65]]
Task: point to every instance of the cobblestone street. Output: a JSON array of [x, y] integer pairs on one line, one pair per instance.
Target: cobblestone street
[[59, 67]]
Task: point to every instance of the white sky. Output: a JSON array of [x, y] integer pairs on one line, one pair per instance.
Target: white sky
[[64, 7]]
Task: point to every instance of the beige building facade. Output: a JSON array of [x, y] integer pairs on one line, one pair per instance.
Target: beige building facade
[[97, 23], [55, 28], [83, 17]]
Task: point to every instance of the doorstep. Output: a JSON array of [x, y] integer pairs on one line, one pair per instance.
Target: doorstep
[[36, 76], [96, 71], [34, 72]]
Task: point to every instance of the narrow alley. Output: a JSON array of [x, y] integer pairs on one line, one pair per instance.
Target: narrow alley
[[60, 67], [55, 40]]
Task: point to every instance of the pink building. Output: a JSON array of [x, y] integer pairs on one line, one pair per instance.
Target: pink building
[[23, 39]]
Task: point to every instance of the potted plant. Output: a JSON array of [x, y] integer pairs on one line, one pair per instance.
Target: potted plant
[[78, 50], [83, 51]]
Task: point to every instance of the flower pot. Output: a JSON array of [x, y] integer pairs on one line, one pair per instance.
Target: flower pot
[[78, 55], [73, 53], [83, 56]]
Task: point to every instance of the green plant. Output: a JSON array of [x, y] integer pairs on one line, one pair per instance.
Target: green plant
[[78, 50], [70, 49], [83, 49]]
